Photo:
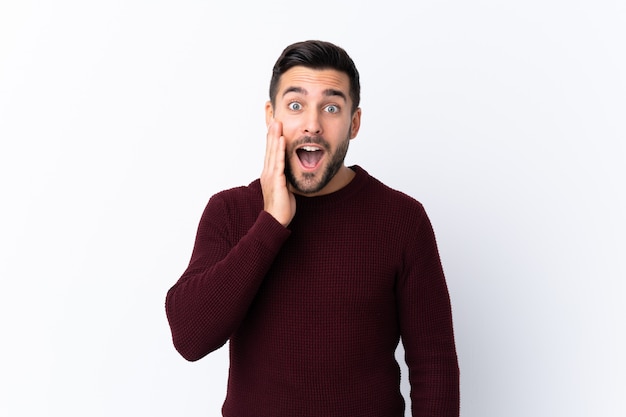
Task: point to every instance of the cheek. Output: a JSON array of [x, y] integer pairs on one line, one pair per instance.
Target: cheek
[[290, 128]]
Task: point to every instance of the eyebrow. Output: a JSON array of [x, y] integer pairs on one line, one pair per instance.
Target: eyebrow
[[329, 92]]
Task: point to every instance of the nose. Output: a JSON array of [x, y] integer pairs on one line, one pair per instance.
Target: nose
[[312, 125]]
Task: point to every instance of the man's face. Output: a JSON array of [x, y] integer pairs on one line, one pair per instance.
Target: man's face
[[314, 107]]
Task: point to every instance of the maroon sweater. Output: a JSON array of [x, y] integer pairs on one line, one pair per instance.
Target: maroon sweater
[[314, 312]]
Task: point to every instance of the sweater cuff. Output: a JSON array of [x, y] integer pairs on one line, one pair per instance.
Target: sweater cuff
[[269, 231]]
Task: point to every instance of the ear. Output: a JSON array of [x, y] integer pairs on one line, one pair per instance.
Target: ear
[[356, 123], [269, 113]]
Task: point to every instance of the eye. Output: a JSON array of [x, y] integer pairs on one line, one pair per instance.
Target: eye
[[332, 108], [295, 106]]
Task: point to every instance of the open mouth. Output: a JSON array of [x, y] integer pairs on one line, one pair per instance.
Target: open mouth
[[310, 156]]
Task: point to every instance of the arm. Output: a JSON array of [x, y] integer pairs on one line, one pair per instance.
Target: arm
[[208, 303], [426, 328], [211, 298]]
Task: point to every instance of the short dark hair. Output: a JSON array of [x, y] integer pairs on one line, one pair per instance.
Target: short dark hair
[[317, 55]]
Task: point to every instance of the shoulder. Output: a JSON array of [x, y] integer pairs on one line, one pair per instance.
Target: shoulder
[[396, 218], [241, 201], [247, 193], [393, 200]]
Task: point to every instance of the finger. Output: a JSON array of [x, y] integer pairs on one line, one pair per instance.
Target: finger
[[268, 147], [280, 149], [275, 148], [280, 154], [272, 135]]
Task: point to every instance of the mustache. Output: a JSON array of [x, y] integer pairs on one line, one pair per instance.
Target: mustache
[[305, 140]]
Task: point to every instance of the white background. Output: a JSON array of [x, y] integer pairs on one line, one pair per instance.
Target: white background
[[119, 119]]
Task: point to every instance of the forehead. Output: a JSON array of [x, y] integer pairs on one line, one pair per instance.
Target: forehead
[[313, 80]]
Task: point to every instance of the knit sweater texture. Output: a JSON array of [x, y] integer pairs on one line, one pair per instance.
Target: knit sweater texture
[[313, 312]]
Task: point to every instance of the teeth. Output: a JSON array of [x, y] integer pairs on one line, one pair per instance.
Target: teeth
[[310, 148]]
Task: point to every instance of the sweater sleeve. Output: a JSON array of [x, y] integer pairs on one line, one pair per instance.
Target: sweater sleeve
[[211, 298], [426, 328]]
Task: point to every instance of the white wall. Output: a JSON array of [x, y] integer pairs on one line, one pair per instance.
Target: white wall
[[119, 119]]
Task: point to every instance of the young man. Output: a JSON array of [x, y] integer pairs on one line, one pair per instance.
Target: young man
[[316, 270]]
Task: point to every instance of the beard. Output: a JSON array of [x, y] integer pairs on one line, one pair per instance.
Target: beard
[[312, 182]]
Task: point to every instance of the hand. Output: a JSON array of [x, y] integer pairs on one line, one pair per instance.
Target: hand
[[278, 200]]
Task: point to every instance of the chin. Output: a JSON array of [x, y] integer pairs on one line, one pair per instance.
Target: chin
[[307, 182]]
